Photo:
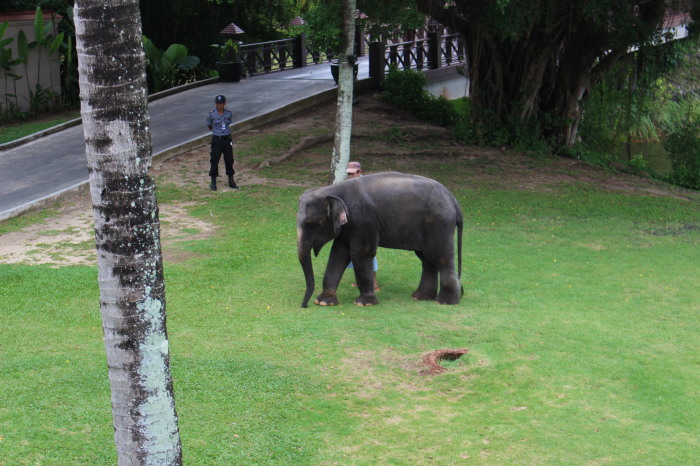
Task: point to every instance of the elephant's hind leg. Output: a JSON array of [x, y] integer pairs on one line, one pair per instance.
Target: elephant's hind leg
[[450, 288], [428, 286]]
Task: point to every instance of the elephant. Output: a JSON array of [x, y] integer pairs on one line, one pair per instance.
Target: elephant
[[391, 210]]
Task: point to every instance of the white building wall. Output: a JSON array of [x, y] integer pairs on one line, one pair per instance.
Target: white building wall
[[40, 68]]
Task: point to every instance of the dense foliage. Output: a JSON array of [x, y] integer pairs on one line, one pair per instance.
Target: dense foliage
[[683, 148], [163, 65], [377, 19], [648, 97], [197, 23], [533, 63]]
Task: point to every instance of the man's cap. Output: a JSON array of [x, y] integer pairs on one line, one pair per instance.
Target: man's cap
[[353, 167], [220, 99]]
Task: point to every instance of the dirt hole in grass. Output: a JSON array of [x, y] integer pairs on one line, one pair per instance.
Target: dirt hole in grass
[[431, 361]]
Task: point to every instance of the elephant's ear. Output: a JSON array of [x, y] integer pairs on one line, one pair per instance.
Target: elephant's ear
[[338, 212]]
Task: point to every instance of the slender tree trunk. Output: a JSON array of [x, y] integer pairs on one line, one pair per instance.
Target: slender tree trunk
[[343, 118], [130, 270]]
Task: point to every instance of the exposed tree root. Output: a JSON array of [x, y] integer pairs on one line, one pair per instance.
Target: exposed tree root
[[310, 141], [305, 143]]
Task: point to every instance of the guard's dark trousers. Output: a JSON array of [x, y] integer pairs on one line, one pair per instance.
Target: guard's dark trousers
[[219, 145]]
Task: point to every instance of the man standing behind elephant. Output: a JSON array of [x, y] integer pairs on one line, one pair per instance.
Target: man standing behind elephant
[[354, 170], [218, 122]]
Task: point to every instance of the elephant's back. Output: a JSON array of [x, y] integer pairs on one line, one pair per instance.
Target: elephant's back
[[392, 185], [396, 193]]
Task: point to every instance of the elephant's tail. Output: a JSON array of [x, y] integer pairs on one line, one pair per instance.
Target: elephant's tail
[[460, 227]]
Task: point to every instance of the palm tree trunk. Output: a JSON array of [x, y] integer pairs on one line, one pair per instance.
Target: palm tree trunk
[[127, 230]]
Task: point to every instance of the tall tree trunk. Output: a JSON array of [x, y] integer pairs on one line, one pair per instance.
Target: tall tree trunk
[[343, 117], [114, 108]]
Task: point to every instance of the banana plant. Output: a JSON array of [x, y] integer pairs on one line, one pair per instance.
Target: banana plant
[[70, 71], [69, 65], [164, 65], [23, 54], [44, 39], [7, 65], [38, 96], [7, 41]]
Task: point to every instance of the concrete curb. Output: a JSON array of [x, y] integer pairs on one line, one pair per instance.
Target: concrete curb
[[40, 134], [45, 201]]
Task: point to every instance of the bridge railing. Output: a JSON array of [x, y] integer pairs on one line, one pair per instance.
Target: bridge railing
[[279, 55], [264, 57], [430, 50]]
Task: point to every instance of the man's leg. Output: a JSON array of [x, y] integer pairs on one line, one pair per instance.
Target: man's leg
[[214, 161], [227, 149]]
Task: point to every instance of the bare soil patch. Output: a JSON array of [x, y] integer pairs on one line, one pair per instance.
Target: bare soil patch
[[431, 361], [383, 139]]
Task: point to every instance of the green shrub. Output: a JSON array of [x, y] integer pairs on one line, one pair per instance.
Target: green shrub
[[462, 128], [586, 154], [406, 90], [638, 164], [439, 111], [683, 148]]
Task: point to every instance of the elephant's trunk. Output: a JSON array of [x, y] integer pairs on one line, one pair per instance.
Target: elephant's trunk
[[308, 268]]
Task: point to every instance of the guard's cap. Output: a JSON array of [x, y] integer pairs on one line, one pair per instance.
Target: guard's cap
[[220, 99], [353, 167]]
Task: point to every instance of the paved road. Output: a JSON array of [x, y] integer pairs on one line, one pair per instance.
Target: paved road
[[39, 172]]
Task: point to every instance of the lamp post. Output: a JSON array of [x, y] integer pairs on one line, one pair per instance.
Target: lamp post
[[230, 67], [298, 21], [299, 53]]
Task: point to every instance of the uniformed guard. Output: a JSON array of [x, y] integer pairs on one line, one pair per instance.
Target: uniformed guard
[[218, 121]]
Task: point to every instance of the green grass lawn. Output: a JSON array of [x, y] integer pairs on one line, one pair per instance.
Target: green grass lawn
[[19, 130], [580, 315]]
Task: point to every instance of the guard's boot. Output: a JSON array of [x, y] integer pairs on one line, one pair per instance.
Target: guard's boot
[[212, 186], [231, 183]]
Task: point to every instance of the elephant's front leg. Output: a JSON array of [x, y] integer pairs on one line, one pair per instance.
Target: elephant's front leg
[[364, 277], [428, 286], [338, 260]]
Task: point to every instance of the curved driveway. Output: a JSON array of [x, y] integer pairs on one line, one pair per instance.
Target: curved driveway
[[41, 171]]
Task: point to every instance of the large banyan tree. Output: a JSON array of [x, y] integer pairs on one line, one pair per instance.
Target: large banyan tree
[[531, 63]]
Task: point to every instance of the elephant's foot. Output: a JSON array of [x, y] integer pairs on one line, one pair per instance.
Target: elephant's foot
[[423, 295], [448, 298], [450, 292], [326, 298], [366, 300]]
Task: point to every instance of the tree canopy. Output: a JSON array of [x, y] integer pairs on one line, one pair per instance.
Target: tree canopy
[[532, 63]]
